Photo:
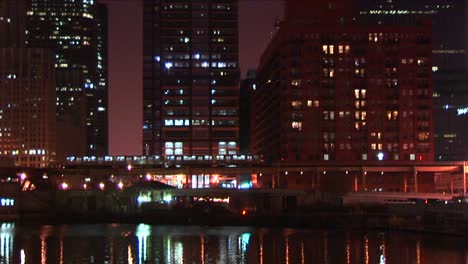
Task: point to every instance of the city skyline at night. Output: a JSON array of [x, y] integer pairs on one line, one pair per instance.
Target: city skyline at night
[[125, 104]]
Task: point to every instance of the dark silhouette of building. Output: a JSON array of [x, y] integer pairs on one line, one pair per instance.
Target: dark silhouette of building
[[332, 89], [27, 93], [190, 78], [76, 31], [248, 86], [450, 62]]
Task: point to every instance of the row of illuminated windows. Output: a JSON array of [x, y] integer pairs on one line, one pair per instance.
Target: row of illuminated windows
[[340, 49], [213, 102], [186, 56], [205, 64], [181, 112], [199, 122], [310, 103], [63, 14], [174, 148], [7, 19]]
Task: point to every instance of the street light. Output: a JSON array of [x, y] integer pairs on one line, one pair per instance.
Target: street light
[[23, 176]]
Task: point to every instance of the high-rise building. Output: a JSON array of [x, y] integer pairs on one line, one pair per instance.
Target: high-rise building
[[27, 93], [75, 32], [332, 89], [27, 106], [450, 62], [190, 77]]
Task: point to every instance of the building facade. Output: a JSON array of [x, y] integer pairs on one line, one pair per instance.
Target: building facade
[[450, 62], [27, 106], [75, 32], [190, 77], [331, 89], [27, 93], [12, 23]]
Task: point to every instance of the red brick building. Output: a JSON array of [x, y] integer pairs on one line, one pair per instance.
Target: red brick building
[[333, 89]]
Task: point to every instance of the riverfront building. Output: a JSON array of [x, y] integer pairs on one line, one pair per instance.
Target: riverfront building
[[450, 62], [333, 89], [27, 93], [27, 106], [76, 32], [190, 78]]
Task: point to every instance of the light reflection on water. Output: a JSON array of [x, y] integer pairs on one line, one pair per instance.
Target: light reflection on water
[[145, 244]]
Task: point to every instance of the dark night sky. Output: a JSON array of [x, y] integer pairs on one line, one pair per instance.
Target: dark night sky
[[256, 18]]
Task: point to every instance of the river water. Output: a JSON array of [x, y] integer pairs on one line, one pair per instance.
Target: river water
[[116, 243]]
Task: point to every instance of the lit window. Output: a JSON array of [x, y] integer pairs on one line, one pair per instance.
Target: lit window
[[325, 49], [168, 65], [297, 125], [296, 104]]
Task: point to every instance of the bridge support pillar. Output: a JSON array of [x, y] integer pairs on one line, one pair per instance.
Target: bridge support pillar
[[415, 174], [464, 177]]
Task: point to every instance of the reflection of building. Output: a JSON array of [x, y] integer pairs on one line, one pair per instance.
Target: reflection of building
[[450, 62], [27, 93], [191, 78], [74, 30], [337, 90]]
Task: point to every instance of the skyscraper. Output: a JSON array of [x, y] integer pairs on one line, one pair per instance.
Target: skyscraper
[[450, 62], [27, 93], [27, 106], [191, 77], [75, 32], [331, 89]]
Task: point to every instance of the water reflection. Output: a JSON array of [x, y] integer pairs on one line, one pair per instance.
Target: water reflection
[[145, 244], [6, 242]]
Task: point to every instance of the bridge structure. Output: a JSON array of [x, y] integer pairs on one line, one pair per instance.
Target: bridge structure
[[443, 177]]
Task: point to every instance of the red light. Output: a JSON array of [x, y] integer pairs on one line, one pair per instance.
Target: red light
[[420, 158], [244, 212]]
